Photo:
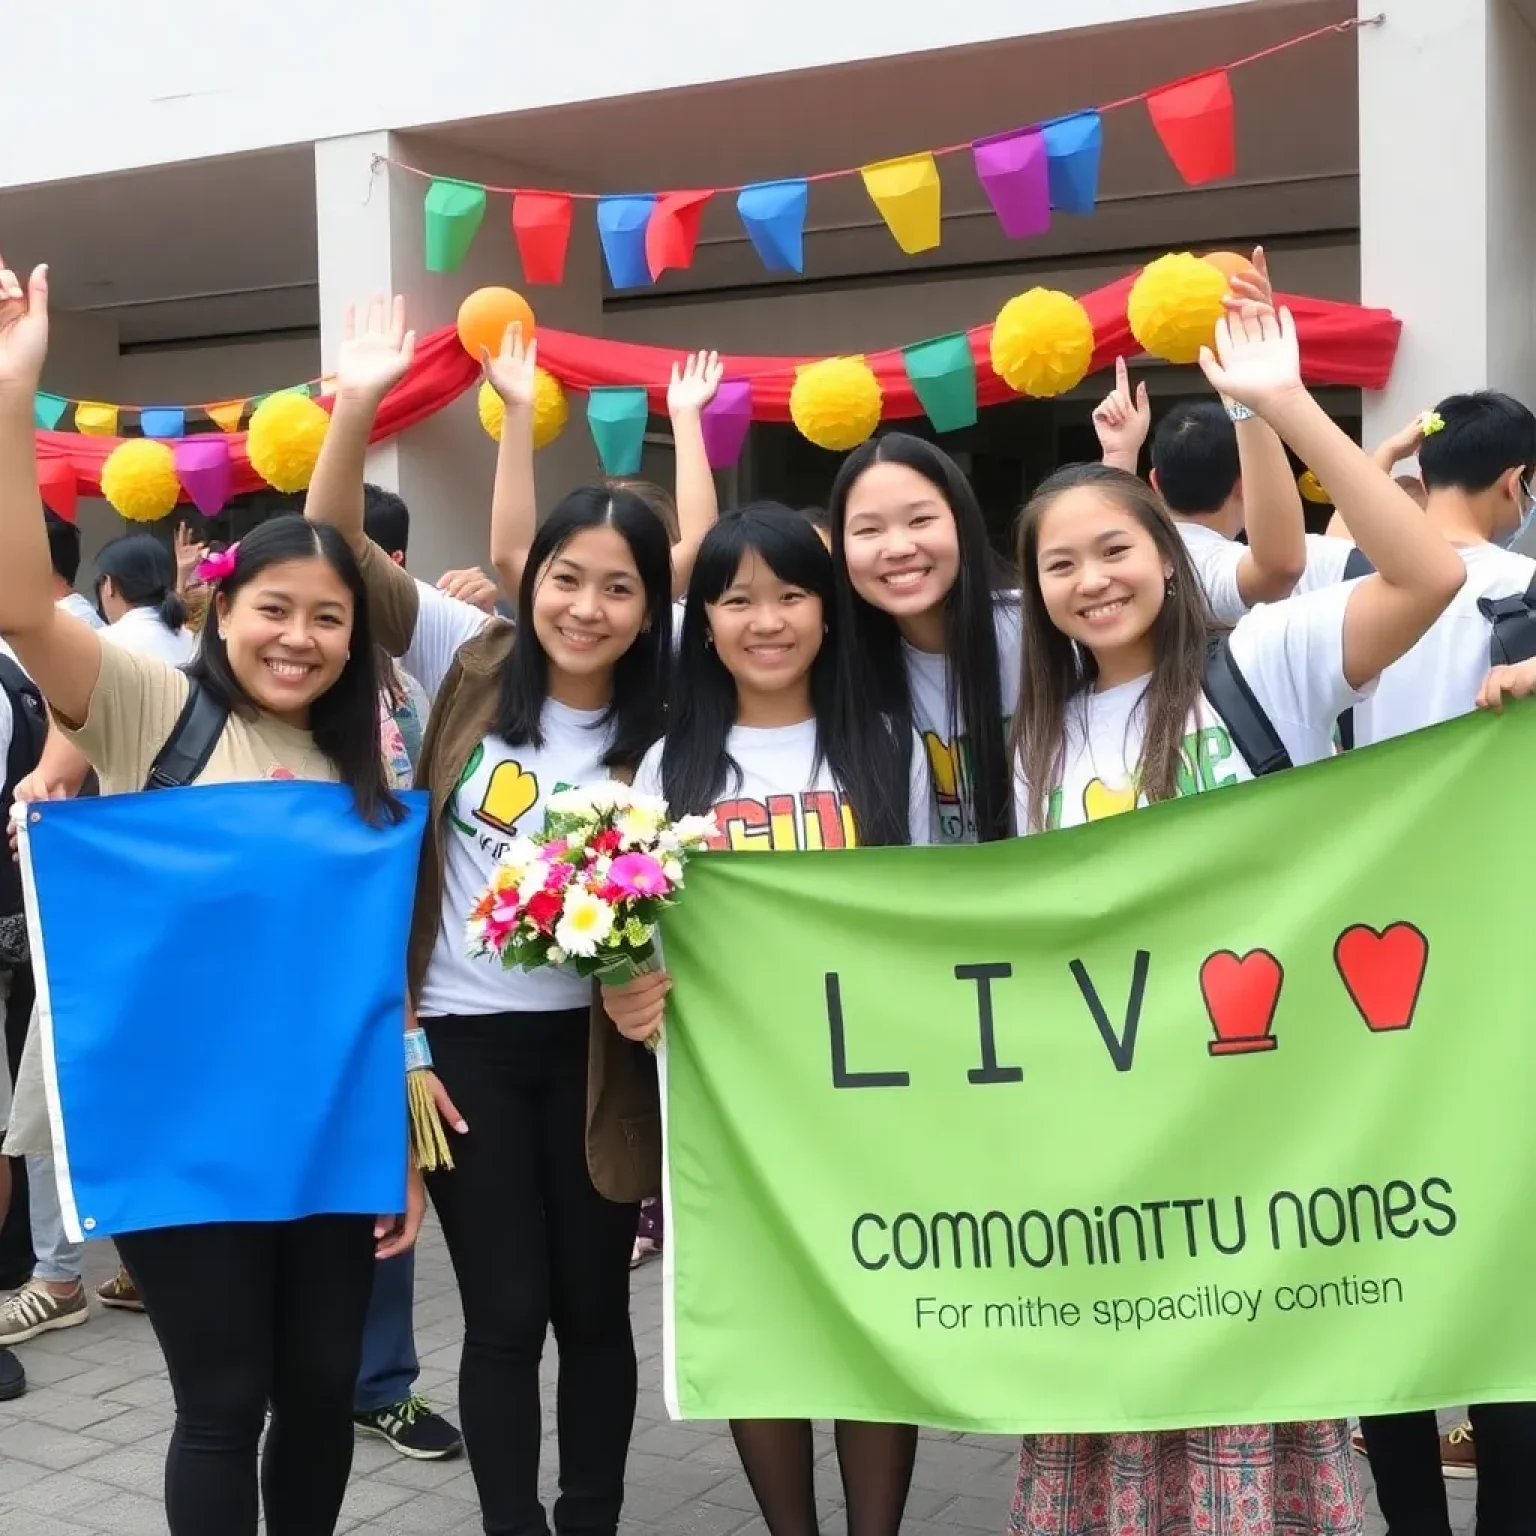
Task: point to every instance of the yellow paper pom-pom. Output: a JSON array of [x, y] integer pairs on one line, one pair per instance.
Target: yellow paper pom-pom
[[1042, 343], [836, 403], [139, 479], [283, 440], [1174, 306], [1312, 489], [550, 411]]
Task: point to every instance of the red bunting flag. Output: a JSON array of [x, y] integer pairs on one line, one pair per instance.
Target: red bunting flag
[[56, 486], [674, 231], [541, 223], [1194, 119]]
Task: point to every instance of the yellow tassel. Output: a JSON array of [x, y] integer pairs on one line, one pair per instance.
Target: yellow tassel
[[429, 1141]]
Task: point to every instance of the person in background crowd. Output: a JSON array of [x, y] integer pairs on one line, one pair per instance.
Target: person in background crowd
[[1403, 444], [13, 1377], [1117, 635]]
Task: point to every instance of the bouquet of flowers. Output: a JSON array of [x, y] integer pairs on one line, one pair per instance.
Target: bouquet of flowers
[[587, 891]]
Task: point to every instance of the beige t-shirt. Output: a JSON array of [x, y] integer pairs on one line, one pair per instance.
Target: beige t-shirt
[[135, 704]]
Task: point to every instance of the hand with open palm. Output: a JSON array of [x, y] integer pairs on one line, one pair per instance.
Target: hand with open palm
[[1257, 361], [513, 373], [23, 328], [374, 359], [694, 384]]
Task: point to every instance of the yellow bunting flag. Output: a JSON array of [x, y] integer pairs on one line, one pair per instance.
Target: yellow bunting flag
[[96, 419], [906, 191], [227, 414]]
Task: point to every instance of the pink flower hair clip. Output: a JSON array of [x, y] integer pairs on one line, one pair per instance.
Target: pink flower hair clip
[[214, 568]]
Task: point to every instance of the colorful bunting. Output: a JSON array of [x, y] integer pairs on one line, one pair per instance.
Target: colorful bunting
[[621, 223], [56, 485], [48, 410], [1073, 146], [907, 193], [617, 415], [1014, 172], [203, 466], [541, 224], [162, 421], [226, 415], [1195, 121], [725, 422], [773, 215], [943, 375], [673, 231], [96, 418], [453, 211]]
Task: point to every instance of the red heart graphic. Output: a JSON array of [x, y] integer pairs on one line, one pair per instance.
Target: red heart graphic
[[1241, 996], [1383, 972]]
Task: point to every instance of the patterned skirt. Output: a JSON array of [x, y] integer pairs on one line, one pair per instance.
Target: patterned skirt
[[1247, 1480]]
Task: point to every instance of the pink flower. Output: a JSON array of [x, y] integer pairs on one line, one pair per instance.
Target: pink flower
[[555, 850], [559, 876], [214, 568], [638, 874]]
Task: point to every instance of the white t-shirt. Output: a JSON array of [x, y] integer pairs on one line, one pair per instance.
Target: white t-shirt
[[500, 795], [928, 678], [144, 632], [785, 799], [1292, 656], [1439, 678], [82, 608], [1216, 559]]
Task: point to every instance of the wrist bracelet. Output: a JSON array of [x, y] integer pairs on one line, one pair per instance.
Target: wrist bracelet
[[418, 1055], [1236, 412]]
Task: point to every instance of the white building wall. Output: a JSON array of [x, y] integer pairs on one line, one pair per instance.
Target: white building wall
[[1511, 202]]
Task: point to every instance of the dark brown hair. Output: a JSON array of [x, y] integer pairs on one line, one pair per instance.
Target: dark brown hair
[[1056, 669], [661, 502]]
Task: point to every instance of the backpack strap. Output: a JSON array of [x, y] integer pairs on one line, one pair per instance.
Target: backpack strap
[[1251, 730], [191, 742], [1512, 636]]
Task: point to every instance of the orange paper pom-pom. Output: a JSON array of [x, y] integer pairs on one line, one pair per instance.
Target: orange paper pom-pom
[[485, 315], [1230, 264]]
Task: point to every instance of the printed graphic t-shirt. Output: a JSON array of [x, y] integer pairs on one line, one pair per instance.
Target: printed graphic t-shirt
[[500, 796], [1438, 679], [944, 743], [1292, 656], [785, 799]]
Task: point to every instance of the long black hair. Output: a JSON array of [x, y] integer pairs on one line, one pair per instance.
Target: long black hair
[[873, 663], [696, 768], [144, 576], [344, 720], [640, 674]]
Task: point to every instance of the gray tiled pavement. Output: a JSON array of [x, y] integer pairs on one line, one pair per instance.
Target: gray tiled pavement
[[81, 1453]]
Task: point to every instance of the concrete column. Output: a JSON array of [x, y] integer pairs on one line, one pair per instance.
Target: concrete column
[[371, 238]]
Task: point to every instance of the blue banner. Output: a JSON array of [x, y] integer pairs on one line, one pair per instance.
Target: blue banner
[[221, 986]]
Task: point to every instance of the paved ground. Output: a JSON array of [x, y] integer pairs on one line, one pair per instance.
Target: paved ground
[[81, 1453]]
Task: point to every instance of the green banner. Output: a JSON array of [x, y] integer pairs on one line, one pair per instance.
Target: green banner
[[1217, 1113]]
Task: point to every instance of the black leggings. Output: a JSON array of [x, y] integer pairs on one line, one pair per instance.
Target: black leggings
[[874, 1460], [1404, 1450], [252, 1314], [534, 1247]]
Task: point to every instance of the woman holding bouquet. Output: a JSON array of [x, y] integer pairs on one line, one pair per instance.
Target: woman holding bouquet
[[754, 717], [1113, 715], [568, 695], [930, 622], [250, 1315]]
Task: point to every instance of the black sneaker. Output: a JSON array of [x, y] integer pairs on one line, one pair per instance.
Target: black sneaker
[[413, 1429], [13, 1380]]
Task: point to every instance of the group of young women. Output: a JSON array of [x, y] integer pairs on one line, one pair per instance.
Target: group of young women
[[899, 666]]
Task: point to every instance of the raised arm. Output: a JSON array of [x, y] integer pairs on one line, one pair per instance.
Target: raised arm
[[1122, 421], [1417, 572], [62, 654], [513, 374], [693, 386], [371, 362]]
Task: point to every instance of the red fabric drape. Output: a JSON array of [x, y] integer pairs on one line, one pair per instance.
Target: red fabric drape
[[1340, 344]]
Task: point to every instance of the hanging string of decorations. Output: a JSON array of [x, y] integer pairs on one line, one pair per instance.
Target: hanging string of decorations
[[1028, 173], [1042, 344]]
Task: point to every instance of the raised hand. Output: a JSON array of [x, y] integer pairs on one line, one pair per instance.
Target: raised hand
[[512, 373], [694, 384], [1518, 682], [374, 359], [1122, 420], [1257, 361], [190, 553], [1252, 290], [471, 586], [23, 328], [1403, 443]]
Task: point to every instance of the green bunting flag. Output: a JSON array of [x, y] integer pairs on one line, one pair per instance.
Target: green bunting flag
[[48, 411], [454, 210], [943, 375], [1209, 1114], [617, 415]]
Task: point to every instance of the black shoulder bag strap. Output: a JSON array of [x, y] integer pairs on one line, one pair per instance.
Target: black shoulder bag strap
[[1513, 620], [1252, 731], [191, 742], [1355, 566]]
